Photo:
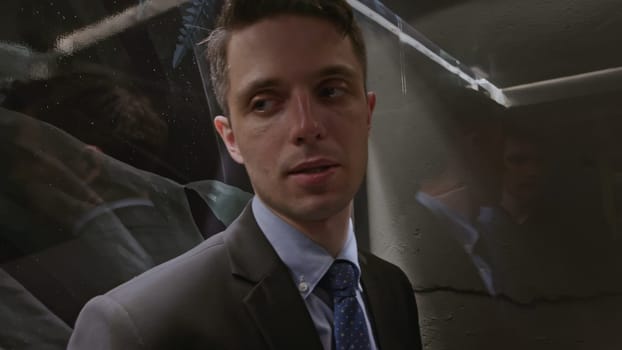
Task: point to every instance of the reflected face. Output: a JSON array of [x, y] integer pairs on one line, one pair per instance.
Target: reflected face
[[300, 116], [523, 169]]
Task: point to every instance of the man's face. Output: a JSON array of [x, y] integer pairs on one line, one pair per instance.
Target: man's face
[[523, 169], [300, 116]]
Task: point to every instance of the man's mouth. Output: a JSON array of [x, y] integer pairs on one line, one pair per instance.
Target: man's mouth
[[313, 167], [315, 170]]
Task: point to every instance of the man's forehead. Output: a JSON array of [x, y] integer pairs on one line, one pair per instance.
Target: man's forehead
[[287, 39], [275, 24]]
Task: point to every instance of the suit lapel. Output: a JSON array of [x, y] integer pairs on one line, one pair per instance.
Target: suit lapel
[[374, 297], [280, 313], [274, 303]]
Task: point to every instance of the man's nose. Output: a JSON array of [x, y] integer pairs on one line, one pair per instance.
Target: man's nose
[[307, 125]]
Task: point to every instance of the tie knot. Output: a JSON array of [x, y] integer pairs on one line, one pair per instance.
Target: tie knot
[[341, 278]]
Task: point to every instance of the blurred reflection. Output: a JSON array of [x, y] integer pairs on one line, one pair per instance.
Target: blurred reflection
[[523, 173], [519, 249], [77, 218], [75, 223], [32, 325], [511, 212], [100, 110], [460, 189], [70, 213], [517, 230], [551, 236]]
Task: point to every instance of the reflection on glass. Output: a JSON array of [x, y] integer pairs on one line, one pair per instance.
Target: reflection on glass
[[105, 145], [507, 220], [106, 113]]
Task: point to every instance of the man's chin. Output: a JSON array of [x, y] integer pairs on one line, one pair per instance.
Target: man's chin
[[316, 210]]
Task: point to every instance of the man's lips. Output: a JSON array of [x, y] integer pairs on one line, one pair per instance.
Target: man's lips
[[313, 167], [313, 173]]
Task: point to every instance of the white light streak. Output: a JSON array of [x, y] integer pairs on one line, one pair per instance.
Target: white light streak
[[494, 92], [109, 26]]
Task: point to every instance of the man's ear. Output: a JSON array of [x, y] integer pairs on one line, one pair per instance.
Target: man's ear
[[223, 127], [371, 104]]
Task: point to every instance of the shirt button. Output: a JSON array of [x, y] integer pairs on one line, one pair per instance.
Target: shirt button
[[303, 287]]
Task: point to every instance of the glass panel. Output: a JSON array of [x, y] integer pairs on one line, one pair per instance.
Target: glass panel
[[495, 170], [106, 144], [506, 218]]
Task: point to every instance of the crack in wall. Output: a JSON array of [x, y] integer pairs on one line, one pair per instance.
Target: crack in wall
[[536, 301]]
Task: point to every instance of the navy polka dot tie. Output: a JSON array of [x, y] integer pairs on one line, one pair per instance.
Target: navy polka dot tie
[[349, 326]]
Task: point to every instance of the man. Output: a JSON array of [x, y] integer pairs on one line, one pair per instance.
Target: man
[[68, 213], [61, 223], [457, 193], [286, 274], [523, 175]]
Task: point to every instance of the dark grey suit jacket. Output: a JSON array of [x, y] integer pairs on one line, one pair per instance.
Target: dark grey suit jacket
[[233, 292]]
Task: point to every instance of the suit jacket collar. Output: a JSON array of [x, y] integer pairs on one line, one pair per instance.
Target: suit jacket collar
[[373, 301], [381, 305], [273, 302]]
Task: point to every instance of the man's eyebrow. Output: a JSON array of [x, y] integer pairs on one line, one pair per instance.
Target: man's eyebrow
[[338, 70], [249, 89]]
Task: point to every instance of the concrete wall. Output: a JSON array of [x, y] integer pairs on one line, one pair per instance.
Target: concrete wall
[[556, 278]]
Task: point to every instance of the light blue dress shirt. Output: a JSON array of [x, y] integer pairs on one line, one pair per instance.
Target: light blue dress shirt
[[464, 232], [308, 262]]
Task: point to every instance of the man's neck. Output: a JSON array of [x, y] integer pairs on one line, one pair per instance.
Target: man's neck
[[330, 233], [452, 194], [519, 213]]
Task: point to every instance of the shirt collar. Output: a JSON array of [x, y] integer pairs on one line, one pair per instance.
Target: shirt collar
[[306, 260]]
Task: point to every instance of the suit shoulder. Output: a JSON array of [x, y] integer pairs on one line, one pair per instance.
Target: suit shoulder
[[211, 252], [104, 318]]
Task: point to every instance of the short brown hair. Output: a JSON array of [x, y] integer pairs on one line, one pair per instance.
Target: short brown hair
[[238, 14]]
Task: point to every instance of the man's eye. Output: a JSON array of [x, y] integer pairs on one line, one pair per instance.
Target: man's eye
[[332, 92], [262, 105]]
